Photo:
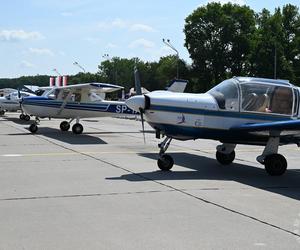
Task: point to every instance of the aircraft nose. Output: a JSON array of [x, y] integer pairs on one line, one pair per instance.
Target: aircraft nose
[[136, 102]]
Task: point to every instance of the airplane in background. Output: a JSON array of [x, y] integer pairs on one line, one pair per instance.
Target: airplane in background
[[75, 102], [240, 110], [11, 102]]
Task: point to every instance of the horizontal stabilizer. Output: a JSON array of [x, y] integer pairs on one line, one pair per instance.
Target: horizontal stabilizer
[[177, 86]]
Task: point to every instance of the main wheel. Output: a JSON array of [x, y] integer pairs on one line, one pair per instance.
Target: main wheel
[[165, 162], [2, 112], [22, 116], [77, 128], [225, 159], [33, 128], [275, 164], [27, 118], [64, 126]]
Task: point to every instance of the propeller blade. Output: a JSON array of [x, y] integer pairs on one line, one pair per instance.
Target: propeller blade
[[19, 93], [143, 125], [138, 88]]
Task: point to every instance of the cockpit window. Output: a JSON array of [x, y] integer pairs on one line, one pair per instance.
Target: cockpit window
[[266, 98], [226, 95]]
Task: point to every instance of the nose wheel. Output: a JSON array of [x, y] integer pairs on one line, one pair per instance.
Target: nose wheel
[[33, 128], [165, 162]]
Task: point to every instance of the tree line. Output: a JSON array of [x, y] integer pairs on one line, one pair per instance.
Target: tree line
[[223, 41]]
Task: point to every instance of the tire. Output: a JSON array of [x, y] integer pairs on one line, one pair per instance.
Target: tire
[[225, 159], [64, 126], [77, 128], [165, 162], [33, 128], [27, 118], [2, 112], [275, 164], [22, 116]]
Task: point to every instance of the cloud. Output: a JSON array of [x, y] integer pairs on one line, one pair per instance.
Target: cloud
[[41, 52], [19, 35], [119, 23], [116, 23], [141, 43], [26, 64], [141, 27]]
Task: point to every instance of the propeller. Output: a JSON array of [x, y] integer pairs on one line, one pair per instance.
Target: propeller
[[143, 125], [138, 91]]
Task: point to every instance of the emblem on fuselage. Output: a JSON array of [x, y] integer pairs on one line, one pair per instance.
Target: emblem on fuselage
[[181, 119]]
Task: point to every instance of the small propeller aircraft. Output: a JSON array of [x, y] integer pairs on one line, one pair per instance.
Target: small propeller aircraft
[[11, 102], [74, 102], [240, 110]]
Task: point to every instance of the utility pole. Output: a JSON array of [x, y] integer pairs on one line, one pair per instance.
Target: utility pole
[[168, 43]]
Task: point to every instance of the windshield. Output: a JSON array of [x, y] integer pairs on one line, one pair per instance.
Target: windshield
[[226, 95]]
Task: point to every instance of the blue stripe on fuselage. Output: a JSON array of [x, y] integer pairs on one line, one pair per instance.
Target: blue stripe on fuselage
[[99, 107]]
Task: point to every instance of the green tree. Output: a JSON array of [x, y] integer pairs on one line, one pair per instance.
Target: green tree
[[218, 38]]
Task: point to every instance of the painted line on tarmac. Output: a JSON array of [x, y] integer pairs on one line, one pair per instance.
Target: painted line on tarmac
[[91, 152]]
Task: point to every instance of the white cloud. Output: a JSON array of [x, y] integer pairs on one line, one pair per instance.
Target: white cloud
[[239, 2], [26, 64], [141, 27], [19, 35], [41, 52], [141, 43], [119, 23]]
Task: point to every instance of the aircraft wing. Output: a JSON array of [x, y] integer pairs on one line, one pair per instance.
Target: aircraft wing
[[97, 87], [286, 127]]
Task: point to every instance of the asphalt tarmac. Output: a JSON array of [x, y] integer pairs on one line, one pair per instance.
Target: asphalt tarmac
[[103, 190]]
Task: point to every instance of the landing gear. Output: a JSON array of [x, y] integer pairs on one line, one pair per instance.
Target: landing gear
[[2, 112], [275, 164], [225, 159], [33, 128], [225, 153], [64, 126], [77, 128], [165, 162], [24, 117]]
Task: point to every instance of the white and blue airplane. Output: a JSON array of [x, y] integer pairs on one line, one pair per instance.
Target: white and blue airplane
[[11, 103], [240, 110], [74, 102]]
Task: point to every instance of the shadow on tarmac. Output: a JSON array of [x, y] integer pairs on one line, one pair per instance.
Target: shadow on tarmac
[[17, 120], [66, 137], [209, 169]]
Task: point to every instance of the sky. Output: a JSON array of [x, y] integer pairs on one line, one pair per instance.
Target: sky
[[37, 36]]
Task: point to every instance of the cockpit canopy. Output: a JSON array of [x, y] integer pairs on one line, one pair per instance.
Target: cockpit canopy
[[256, 95]]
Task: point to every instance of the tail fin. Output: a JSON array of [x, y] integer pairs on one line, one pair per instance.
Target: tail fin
[[138, 88], [177, 86]]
